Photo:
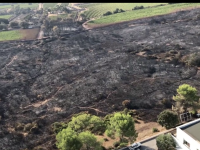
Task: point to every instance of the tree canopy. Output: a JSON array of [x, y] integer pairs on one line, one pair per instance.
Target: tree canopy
[[168, 119], [165, 142], [67, 139], [85, 122], [187, 96], [121, 125], [89, 141]]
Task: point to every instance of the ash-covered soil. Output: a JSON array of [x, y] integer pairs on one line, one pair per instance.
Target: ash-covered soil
[[95, 70]]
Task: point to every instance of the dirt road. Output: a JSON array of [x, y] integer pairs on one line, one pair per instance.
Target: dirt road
[[40, 6]]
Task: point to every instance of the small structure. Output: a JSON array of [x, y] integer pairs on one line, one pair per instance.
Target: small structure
[[188, 135]]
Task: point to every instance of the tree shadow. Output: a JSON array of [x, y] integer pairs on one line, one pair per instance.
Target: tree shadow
[[145, 148]]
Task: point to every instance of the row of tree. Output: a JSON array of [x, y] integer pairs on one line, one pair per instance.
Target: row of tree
[[117, 10], [79, 132]]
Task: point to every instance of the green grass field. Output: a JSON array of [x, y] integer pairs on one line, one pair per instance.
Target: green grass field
[[147, 12], [10, 35], [51, 5], [47, 5], [22, 5], [98, 9], [5, 16], [58, 16]]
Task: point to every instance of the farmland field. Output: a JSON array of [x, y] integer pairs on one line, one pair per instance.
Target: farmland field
[[142, 13], [54, 17], [47, 5], [5, 16], [98, 9], [22, 5], [26, 34]]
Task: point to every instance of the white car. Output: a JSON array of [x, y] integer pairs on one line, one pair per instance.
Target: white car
[[135, 145]]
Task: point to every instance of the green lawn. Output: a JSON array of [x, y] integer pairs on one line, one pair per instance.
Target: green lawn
[[98, 9], [47, 5], [10, 35], [147, 12], [22, 5], [5, 16], [58, 16]]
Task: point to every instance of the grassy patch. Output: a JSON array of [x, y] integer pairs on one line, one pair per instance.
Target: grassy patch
[[26, 34], [47, 5], [10, 35], [58, 16], [142, 13], [5, 16], [22, 5], [98, 9]]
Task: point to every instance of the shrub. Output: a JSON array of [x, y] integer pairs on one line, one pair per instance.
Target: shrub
[[155, 130], [167, 103], [123, 145], [138, 7], [107, 13], [116, 144], [58, 126], [124, 140], [165, 142], [168, 119], [126, 103], [193, 60]]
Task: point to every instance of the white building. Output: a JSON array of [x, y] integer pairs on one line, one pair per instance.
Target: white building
[[188, 135]]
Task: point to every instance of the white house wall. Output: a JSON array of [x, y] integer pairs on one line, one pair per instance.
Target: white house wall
[[181, 136]]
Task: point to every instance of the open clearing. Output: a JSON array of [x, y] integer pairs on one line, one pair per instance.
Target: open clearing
[[55, 16], [22, 5], [5, 16], [51, 5], [142, 13], [25, 34], [97, 10]]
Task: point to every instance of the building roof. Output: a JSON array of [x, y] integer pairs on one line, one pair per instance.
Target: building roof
[[193, 130]]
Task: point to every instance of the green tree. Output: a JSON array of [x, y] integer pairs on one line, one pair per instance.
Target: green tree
[[165, 142], [121, 125], [89, 141], [24, 25], [83, 122], [67, 139], [14, 24], [187, 96], [168, 119]]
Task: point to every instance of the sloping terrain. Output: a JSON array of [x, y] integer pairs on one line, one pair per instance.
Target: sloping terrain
[[95, 70]]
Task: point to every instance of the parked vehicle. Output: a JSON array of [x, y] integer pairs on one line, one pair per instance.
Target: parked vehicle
[[135, 145]]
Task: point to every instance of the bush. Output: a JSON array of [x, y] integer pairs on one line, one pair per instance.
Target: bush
[[58, 126], [155, 130], [165, 142], [193, 60], [124, 140], [138, 7], [123, 145], [116, 144], [107, 13], [167, 103], [168, 119], [126, 103]]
